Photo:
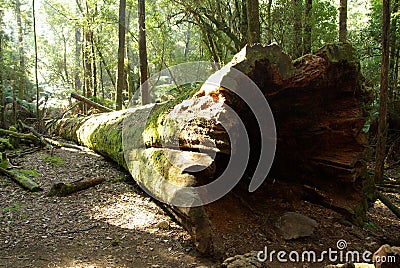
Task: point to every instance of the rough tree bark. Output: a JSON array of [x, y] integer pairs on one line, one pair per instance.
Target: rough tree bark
[[297, 28], [121, 54], [318, 102], [383, 95], [307, 28], [343, 21], [2, 90], [143, 51], [253, 17], [21, 51]]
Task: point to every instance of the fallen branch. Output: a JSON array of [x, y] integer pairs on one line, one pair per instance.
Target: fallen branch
[[64, 189], [386, 201], [49, 141], [91, 103], [26, 138], [22, 180]]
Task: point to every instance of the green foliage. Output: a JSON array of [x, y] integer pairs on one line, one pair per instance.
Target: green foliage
[[14, 207], [32, 173], [177, 31], [370, 226], [54, 160], [5, 145]]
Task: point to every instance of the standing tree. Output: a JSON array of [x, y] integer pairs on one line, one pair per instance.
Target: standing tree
[[394, 50], [121, 54], [38, 117], [269, 22], [143, 52], [383, 95], [253, 18], [297, 28], [2, 67], [343, 21], [78, 49], [307, 27], [21, 71]]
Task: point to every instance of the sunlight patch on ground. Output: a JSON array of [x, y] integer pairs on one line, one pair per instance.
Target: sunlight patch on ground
[[129, 211]]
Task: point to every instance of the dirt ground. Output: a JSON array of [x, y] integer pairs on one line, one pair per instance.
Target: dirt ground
[[116, 225]]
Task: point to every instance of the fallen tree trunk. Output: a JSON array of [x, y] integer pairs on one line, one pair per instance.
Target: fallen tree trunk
[[93, 104], [25, 138], [65, 189], [21, 179], [318, 103]]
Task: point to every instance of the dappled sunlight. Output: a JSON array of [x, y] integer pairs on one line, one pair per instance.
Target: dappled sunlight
[[129, 211]]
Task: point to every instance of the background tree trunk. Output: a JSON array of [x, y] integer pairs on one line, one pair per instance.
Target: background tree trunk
[[393, 50], [188, 35], [21, 72], [2, 75], [383, 95], [143, 52], [253, 18], [297, 29], [78, 49], [244, 26], [121, 54], [38, 116], [307, 28], [343, 21], [269, 21]]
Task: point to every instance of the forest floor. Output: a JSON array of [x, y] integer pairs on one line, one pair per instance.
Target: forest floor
[[116, 225]]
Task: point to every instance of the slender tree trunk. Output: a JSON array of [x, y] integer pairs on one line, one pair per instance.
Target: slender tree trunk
[[108, 71], [244, 26], [253, 18], [21, 72], [307, 28], [393, 49], [38, 116], [343, 21], [297, 29], [14, 103], [188, 34], [65, 58], [269, 21], [88, 64], [143, 51], [78, 49], [121, 54], [396, 76], [131, 61], [383, 95], [94, 65], [2, 74]]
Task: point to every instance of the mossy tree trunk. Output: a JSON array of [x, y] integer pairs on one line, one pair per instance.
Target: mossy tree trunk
[[318, 102]]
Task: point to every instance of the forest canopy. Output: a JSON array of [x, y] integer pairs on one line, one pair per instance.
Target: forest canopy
[[78, 40]]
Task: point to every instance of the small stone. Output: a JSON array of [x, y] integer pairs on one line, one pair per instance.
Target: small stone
[[162, 225], [387, 257], [248, 260], [295, 225]]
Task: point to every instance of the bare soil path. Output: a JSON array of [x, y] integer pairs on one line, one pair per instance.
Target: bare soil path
[[110, 225]]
